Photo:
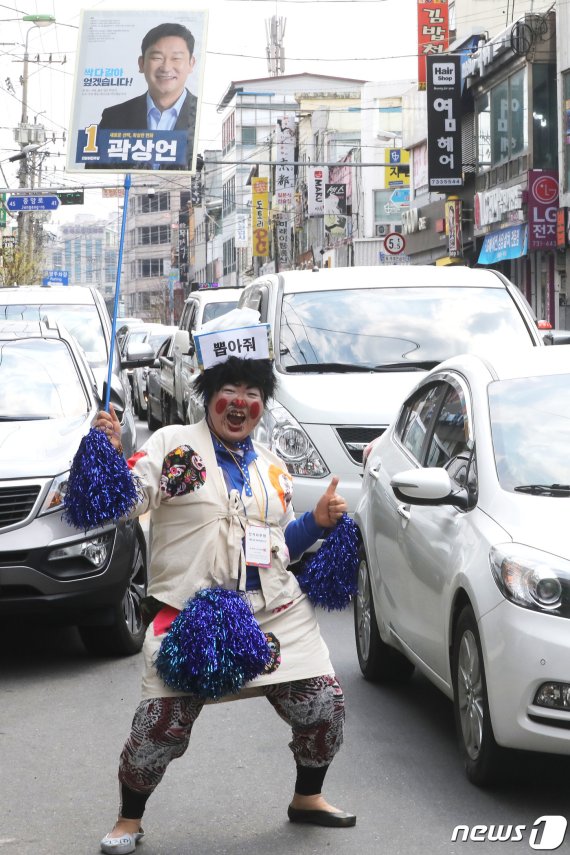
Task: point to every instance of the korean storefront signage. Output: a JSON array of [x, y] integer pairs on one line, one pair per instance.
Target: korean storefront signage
[[397, 170], [444, 122], [504, 244], [260, 217], [283, 238], [433, 33], [492, 205], [335, 210], [542, 208], [561, 228], [453, 227], [284, 158], [318, 176]]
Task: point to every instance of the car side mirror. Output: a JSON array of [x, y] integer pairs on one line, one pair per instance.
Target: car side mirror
[[182, 342], [429, 486], [557, 337], [138, 355]]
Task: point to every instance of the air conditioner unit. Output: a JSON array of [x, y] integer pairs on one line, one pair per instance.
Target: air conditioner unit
[[381, 230]]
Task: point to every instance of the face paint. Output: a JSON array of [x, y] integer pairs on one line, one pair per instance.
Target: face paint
[[239, 403], [221, 405], [254, 410]]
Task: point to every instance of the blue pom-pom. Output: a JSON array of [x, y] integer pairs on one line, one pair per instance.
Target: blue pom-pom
[[330, 578], [213, 647], [101, 487]]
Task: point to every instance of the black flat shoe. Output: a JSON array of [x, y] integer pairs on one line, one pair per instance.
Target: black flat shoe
[[332, 819]]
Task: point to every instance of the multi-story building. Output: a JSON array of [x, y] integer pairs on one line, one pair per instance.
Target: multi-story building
[[85, 251]]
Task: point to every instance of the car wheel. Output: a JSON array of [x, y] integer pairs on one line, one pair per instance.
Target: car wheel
[[378, 661], [482, 756], [125, 635], [152, 422]]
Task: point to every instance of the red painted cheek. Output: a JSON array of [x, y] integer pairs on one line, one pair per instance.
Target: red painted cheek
[[221, 405], [255, 410]]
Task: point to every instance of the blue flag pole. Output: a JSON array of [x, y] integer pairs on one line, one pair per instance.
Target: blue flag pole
[[126, 185]]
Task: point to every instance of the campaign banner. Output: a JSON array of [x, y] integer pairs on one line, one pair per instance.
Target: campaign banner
[[137, 90], [317, 177], [260, 217], [445, 167], [335, 210]]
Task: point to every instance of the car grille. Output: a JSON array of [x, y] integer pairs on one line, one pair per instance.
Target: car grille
[[16, 503], [355, 439]]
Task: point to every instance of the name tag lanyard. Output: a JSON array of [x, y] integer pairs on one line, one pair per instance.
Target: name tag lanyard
[[257, 537]]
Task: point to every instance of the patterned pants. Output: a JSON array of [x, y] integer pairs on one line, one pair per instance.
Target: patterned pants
[[161, 729]]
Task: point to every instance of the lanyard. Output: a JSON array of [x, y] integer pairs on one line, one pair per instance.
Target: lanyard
[[244, 469]]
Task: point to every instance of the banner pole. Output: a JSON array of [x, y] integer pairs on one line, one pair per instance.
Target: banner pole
[[127, 184]]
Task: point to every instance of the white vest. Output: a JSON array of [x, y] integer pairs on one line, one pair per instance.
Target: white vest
[[197, 538]]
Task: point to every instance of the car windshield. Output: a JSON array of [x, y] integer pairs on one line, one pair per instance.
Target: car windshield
[[214, 310], [529, 422], [377, 327], [39, 380], [83, 322]]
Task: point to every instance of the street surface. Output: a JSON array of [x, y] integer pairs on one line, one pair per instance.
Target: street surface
[[64, 717]]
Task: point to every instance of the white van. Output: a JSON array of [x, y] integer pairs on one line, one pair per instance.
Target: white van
[[351, 342]]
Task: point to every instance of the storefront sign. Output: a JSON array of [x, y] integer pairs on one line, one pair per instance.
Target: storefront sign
[[444, 122], [335, 210], [318, 176], [478, 63], [260, 217], [542, 208], [285, 135], [561, 228], [504, 244], [491, 205], [433, 33], [453, 228]]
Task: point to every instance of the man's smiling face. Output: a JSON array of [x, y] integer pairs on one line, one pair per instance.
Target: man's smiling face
[[166, 65]]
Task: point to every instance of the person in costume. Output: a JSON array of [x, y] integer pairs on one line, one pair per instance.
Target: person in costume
[[222, 518]]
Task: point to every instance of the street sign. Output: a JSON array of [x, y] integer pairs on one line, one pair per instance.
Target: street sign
[[71, 197], [56, 277], [32, 203], [394, 243], [400, 196]]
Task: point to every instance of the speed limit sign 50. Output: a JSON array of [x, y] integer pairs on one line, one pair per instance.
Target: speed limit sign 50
[[394, 243]]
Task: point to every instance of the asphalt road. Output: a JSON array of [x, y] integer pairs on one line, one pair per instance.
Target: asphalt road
[[64, 717]]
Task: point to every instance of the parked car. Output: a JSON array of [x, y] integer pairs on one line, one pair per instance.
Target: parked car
[[84, 314], [201, 306], [154, 388], [465, 565], [351, 342], [49, 570], [154, 335]]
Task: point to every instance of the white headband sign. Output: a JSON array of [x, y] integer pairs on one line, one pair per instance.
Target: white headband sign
[[243, 342]]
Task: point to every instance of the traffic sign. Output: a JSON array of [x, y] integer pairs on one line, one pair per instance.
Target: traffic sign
[[32, 203], [400, 196], [56, 277], [71, 197], [394, 243]]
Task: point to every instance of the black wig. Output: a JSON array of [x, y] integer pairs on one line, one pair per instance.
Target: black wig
[[252, 372]]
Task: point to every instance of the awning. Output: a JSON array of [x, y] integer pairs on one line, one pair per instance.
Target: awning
[[506, 243]]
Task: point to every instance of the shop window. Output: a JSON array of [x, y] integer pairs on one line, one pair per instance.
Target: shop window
[[502, 121], [249, 136], [544, 123]]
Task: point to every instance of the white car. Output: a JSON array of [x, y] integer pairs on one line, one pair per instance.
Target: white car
[[351, 342], [465, 565], [201, 306]]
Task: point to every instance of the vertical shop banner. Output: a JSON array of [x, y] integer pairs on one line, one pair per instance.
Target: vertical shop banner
[[335, 210], [542, 208], [260, 217], [433, 33], [318, 176], [126, 113], [283, 239], [453, 228], [241, 236], [285, 137], [397, 170], [445, 168]]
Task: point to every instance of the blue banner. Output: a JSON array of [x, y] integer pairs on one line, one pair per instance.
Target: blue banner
[[506, 243]]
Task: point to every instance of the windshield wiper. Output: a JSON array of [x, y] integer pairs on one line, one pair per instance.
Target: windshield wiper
[[23, 418], [544, 489], [427, 365], [326, 367]]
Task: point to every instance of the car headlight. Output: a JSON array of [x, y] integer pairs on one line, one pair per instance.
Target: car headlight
[[531, 578], [286, 437], [56, 494]]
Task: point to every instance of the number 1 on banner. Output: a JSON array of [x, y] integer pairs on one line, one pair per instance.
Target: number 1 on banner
[[91, 147]]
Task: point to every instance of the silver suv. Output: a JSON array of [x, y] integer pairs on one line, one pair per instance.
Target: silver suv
[[94, 579]]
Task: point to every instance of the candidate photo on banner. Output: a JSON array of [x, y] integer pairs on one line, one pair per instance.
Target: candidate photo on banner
[[138, 89]]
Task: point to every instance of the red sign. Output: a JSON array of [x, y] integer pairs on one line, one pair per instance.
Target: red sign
[[542, 208], [433, 33], [561, 228]]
